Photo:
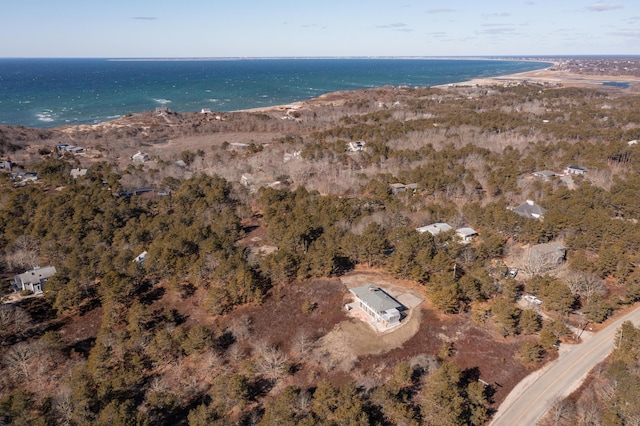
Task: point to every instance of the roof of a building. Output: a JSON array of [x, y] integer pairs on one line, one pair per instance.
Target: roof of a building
[[529, 209], [466, 232], [435, 228], [545, 173], [37, 274], [376, 298]]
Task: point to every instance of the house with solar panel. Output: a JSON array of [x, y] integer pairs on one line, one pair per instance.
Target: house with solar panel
[[378, 304]]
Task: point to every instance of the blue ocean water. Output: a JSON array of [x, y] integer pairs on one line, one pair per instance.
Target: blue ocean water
[[53, 92]]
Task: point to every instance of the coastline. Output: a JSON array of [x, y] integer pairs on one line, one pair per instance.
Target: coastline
[[549, 76], [544, 76]]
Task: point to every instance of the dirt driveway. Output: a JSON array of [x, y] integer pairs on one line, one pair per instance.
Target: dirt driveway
[[352, 338]]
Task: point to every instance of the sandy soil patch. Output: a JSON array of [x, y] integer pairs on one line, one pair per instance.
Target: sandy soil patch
[[355, 337], [562, 78]]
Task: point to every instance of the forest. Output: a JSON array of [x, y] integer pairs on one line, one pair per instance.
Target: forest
[[172, 341]]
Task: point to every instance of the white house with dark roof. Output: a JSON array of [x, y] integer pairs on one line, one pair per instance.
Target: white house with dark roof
[[34, 279], [529, 209], [381, 307], [435, 228], [575, 170]]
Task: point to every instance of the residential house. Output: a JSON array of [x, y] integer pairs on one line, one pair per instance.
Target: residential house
[[34, 279], [241, 145], [246, 179], [545, 174], [398, 188], [355, 146], [205, 111], [140, 157], [378, 304], [75, 149], [549, 254], [139, 259], [76, 173], [466, 234], [136, 191], [435, 228], [575, 170], [529, 209], [291, 156]]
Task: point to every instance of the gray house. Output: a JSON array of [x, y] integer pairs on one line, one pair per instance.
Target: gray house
[[34, 279], [381, 307], [529, 209], [549, 253]]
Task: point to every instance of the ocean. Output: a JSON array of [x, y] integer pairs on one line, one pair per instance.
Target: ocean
[[54, 92]]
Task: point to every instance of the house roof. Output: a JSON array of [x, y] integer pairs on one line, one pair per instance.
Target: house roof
[[35, 275], [545, 173], [529, 209], [376, 298], [435, 228], [466, 232]]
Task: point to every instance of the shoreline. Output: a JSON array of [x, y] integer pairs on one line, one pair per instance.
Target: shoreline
[[549, 76], [543, 76]]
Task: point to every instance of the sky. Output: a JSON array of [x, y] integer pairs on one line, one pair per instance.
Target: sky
[[317, 28]]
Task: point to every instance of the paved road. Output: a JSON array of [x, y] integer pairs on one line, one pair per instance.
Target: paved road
[[526, 406]]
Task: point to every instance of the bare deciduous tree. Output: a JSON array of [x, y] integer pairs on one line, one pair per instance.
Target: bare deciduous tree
[[19, 361], [560, 410], [272, 362], [585, 285], [14, 321], [303, 344]]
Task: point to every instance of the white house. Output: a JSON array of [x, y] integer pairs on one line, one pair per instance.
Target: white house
[[355, 146], [76, 173], [381, 307], [140, 157], [575, 170], [545, 174], [34, 279], [466, 234], [435, 228], [141, 258]]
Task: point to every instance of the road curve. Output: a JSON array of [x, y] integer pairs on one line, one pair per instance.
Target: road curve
[[561, 378]]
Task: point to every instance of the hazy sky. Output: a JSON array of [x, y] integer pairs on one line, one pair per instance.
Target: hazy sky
[[232, 28]]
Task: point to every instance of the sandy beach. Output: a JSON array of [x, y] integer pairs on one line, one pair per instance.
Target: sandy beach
[[551, 77]]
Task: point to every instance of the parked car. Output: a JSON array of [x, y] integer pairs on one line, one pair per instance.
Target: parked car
[[532, 299]]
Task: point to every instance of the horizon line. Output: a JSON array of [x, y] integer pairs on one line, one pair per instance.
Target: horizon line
[[214, 58]]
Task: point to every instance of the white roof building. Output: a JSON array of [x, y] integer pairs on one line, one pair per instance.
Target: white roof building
[[435, 228]]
